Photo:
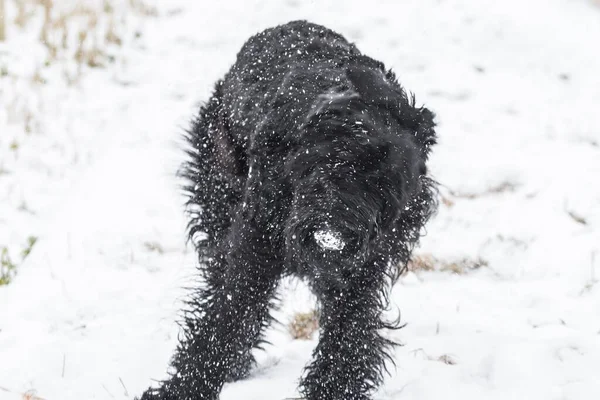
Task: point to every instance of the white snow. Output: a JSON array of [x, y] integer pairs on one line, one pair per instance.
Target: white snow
[[329, 240], [516, 86]]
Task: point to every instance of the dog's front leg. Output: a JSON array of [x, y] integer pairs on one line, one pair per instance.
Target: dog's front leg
[[349, 359], [225, 319]]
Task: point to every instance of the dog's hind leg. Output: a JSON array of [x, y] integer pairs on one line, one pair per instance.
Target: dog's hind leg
[[350, 358]]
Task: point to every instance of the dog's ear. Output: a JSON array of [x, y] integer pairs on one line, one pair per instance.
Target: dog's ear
[[381, 89], [372, 86], [227, 157], [424, 127]]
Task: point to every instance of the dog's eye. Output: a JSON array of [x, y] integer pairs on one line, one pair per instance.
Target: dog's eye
[[364, 140], [429, 142]]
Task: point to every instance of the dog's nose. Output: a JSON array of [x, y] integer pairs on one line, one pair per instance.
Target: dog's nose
[[329, 239]]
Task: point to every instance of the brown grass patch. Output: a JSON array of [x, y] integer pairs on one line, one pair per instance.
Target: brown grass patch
[[304, 325], [424, 262], [503, 187], [446, 359], [427, 262]]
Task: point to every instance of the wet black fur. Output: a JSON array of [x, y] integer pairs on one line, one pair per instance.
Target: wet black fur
[[303, 132]]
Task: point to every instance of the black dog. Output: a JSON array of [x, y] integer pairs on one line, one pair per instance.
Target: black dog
[[309, 159]]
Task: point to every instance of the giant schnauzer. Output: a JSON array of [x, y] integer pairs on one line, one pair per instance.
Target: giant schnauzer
[[308, 160]]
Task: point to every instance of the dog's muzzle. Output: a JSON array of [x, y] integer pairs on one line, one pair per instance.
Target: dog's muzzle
[[323, 248]]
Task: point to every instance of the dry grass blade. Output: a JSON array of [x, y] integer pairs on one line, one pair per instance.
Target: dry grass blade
[[2, 21], [30, 395], [577, 218], [446, 359]]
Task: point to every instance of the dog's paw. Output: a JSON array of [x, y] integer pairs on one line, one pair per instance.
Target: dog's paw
[[154, 394]]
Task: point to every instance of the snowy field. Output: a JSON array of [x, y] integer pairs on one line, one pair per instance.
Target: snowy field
[[504, 301]]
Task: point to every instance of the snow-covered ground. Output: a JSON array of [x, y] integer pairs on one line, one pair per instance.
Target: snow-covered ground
[[91, 312]]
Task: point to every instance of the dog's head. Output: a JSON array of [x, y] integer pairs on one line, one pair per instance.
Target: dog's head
[[360, 165]]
